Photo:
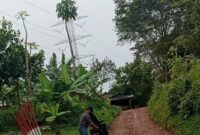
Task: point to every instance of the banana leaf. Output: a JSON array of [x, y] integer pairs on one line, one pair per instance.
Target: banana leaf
[[45, 82], [65, 75]]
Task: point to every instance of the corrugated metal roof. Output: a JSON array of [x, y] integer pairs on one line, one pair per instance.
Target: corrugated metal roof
[[122, 97]]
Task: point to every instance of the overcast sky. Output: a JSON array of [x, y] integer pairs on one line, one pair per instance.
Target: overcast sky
[[99, 24]]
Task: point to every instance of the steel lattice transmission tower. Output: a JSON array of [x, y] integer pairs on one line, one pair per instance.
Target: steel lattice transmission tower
[[73, 38]]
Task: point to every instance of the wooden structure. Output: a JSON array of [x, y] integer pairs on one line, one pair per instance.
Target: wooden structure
[[126, 102], [26, 120]]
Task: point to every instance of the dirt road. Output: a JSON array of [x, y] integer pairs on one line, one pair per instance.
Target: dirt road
[[135, 122]]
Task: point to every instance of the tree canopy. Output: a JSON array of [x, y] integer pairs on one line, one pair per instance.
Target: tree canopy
[[66, 10], [157, 26]]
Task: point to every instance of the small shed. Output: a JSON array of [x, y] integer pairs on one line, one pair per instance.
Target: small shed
[[126, 101]]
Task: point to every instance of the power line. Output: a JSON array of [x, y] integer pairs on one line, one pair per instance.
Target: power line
[[29, 22], [38, 31], [33, 29], [37, 7], [33, 24]]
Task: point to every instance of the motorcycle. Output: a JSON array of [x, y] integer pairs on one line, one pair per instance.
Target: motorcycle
[[102, 130]]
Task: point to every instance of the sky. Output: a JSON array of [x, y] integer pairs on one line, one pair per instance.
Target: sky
[[99, 24]]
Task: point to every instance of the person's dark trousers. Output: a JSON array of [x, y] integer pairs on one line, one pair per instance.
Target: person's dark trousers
[[83, 130]]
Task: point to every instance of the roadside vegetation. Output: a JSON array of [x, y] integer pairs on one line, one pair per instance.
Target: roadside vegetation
[[175, 105], [136, 79], [60, 91], [165, 74], [166, 35]]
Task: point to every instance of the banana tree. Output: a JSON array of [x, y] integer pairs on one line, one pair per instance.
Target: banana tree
[[53, 110], [45, 92], [79, 84], [82, 83], [54, 113]]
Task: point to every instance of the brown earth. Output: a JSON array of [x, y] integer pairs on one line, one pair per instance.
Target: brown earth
[[135, 122]]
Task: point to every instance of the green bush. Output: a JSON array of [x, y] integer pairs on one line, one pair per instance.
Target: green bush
[[190, 104], [158, 105], [7, 120], [134, 79], [160, 113], [176, 105], [107, 114], [178, 90]]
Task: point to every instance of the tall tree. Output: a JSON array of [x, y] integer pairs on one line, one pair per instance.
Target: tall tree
[[67, 11], [134, 79], [12, 57], [189, 40], [22, 15], [154, 26], [104, 72]]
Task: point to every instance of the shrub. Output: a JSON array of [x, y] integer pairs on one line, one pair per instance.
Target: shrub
[[7, 120], [190, 104], [158, 104], [177, 92], [180, 97], [134, 79]]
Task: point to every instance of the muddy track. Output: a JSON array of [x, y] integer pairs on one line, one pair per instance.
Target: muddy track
[[135, 122]]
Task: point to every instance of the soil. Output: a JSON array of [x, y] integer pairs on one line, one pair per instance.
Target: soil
[[135, 122]]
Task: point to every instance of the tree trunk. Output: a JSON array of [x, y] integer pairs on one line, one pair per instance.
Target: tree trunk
[[71, 47], [17, 88], [27, 61]]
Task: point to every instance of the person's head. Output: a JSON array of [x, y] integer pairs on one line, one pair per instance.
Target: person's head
[[89, 110], [58, 132]]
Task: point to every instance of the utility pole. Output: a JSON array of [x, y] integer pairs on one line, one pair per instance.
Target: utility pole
[[72, 39]]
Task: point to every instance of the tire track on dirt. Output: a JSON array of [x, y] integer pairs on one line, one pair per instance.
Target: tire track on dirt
[[135, 122]]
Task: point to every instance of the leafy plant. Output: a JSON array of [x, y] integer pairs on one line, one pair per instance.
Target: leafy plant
[[53, 110], [134, 78], [7, 119], [46, 89]]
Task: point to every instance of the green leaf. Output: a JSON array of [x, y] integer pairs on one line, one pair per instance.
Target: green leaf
[[45, 82], [81, 80], [50, 118], [65, 75], [62, 113], [81, 71], [46, 93]]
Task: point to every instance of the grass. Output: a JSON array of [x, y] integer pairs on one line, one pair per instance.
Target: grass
[[108, 114], [159, 112], [64, 131], [104, 114]]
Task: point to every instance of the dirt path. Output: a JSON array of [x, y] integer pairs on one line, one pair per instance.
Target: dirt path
[[135, 122]]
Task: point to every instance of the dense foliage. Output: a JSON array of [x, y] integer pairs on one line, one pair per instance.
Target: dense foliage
[[161, 29], [65, 91], [134, 79], [12, 65], [166, 34], [166, 41], [176, 104], [60, 93]]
